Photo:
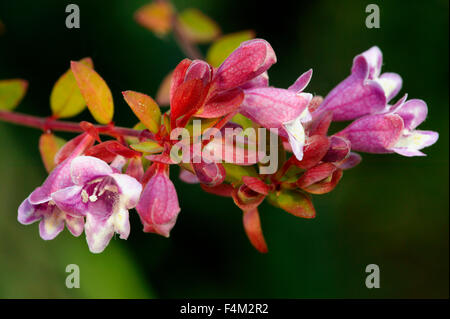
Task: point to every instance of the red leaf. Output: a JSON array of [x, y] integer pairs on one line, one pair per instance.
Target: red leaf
[[252, 226], [178, 76], [325, 186], [100, 151], [316, 174], [315, 149], [222, 104], [120, 149], [256, 185], [339, 149], [245, 198], [320, 125], [223, 189], [65, 151], [186, 99]]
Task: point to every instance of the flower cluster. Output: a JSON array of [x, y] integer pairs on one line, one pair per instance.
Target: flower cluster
[[93, 186]]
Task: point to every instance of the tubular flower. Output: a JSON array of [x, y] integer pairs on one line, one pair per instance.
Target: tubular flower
[[392, 131], [101, 195], [158, 207], [41, 206], [285, 110], [365, 91]]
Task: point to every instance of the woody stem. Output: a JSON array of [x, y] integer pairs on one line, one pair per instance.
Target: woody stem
[[56, 125]]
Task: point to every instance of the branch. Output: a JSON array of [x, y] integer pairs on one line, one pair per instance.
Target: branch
[[55, 125]]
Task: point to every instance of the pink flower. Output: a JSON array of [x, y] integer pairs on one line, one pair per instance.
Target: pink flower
[[285, 110], [40, 205], [158, 207], [101, 195], [392, 131], [365, 91]]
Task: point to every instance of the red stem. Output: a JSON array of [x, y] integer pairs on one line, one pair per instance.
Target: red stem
[[55, 125]]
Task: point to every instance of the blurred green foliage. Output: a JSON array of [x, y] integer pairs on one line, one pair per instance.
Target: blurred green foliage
[[390, 210]]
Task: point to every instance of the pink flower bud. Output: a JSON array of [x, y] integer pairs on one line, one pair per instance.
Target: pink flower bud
[[158, 206]]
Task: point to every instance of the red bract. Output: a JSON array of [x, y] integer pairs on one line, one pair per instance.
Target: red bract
[[197, 90]]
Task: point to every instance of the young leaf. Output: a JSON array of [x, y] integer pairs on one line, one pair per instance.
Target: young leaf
[[234, 173], [150, 147], [11, 93], [49, 145], [226, 44], [252, 226], [145, 108], [66, 99], [295, 202], [156, 17], [95, 91], [197, 27]]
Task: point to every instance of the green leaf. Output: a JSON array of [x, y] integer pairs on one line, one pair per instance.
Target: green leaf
[[145, 108], [49, 145], [242, 121], [95, 91], [236, 172], [197, 27], [293, 201], [11, 93], [66, 99], [226, 44], [147, 147]]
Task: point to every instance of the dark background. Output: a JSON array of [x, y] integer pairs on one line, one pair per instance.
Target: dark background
[[390, 210]]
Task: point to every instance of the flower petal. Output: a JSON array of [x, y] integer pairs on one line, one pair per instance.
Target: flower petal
[[121, 223], [28, 213], [339, 149], [413, 113], [99, 232], [351, 161], [129, 188], [59, 178], [86, 168], [302, 82], [51, 224], [374, 133], [391, 84], [270, 107], [75, 224], [188, 177], [261, 80], [374, 59], [353, 98], [409, 144], [296, 135], [70, 200]]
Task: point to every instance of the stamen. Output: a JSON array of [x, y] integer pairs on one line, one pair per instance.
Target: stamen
[[84, 196]]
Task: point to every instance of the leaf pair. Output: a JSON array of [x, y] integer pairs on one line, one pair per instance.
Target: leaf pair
[[81, 86]]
